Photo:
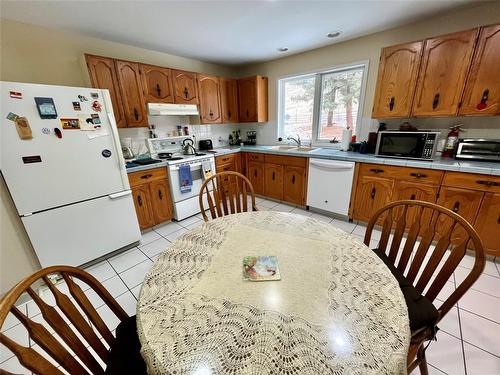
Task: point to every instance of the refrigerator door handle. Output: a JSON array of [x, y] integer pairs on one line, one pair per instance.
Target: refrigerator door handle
[[120, 194]]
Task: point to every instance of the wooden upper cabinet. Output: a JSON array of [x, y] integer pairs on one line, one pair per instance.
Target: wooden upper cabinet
[[210, 99], [252, 99], [102, 73], [445, 64], [129, 79], [185, 87], [397, 78], [229, 100], [482, 92], [157, 84]]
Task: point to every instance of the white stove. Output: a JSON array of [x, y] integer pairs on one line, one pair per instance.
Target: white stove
[[185, 204]]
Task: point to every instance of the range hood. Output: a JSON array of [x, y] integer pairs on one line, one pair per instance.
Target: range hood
[[165, 109]]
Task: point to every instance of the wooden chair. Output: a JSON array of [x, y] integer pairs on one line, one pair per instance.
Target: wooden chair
[[75, 345], [430, 231], [229, 194]]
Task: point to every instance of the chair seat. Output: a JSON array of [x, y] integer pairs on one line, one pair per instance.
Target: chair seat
[[421, 311], [124, 355]]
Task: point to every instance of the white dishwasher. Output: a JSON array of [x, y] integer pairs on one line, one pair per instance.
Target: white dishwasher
[[329, 185]]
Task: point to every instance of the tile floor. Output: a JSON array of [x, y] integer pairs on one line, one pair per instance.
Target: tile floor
[[468, 342]]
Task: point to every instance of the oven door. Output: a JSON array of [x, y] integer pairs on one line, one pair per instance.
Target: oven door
[[401, 145], [198, 179]]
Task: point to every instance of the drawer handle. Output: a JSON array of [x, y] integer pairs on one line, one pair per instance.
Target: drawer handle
[[372, 194], [456, 207], [139, 200], [160, 194], [391, 104], [418, 175], [293, 179], [158, 89], [435, 102], [225, 159], [488, 183], [146, 176], [375, 170]]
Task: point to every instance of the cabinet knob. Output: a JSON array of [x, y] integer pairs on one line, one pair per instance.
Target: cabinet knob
[[255, 173], [139, 200], [377, 171], [211, 114], [435, 102], [293, 179], [160, 194], [247, 113], [372, 194], [158, 89], [228, 113], [136, 114], [484, 98], [456, 207], [273, 176], [391, 104], [413, 197], [146, 176], [186, 92]]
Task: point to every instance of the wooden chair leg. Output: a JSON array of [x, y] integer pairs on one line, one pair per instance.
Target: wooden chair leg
[[422, 361]]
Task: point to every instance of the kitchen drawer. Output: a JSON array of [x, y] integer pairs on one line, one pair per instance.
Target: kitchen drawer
[[472, 181], [142, 177], [421, 175], [253, 156], [293, 161], [225, 159], [231, 166]]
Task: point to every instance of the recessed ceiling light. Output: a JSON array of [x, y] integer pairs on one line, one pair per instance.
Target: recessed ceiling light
[[334, 34], [283, 49]]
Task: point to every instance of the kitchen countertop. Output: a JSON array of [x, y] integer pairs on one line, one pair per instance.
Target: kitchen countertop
[[446, 164]]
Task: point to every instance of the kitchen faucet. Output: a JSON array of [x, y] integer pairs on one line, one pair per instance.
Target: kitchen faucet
[[296, 140]]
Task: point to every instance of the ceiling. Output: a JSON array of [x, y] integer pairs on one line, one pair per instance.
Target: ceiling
[[225, 32]]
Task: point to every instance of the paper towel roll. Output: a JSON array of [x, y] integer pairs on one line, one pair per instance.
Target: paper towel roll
[[346, 139]]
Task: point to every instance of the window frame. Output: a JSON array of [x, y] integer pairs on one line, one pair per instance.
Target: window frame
[[319, 73]]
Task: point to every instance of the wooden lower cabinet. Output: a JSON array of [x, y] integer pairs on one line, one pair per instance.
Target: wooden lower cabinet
[[255, 174], [464, 202], [295, 185], [372, 193], [152, 201], [488, 223], [161, 201], [273, 181], [405, 190], [143, 207]]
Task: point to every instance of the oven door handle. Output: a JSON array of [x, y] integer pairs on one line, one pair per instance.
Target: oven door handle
[[193, 166]]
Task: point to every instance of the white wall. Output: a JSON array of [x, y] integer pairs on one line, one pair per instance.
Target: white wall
[[368, 48]]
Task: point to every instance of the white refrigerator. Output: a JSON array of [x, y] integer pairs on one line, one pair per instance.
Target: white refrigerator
[[62, 162]]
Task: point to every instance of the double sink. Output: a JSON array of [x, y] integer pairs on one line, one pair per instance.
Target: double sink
[[293, 148]]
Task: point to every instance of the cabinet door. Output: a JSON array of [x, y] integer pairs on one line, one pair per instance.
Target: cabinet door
[[464, 202], [488, 223], [414, 191], [273, 181], [131, 91], [372, 193], [102, 73], [143, 208], [445, 63], [157, 84], [210, 105], [294, 185], [185, 88], [482, 93], [229, 99], [397, 79], [161, 201], [247, 96], [256, 176]]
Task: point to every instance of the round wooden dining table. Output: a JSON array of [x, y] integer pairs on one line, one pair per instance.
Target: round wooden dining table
[[336, 310]]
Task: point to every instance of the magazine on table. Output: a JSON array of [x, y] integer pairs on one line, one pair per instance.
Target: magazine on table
[[261, 268]]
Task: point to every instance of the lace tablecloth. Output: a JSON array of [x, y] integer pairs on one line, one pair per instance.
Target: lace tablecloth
[[336, 310]]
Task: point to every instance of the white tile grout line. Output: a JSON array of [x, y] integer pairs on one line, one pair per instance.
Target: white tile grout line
[[124, 283], [460, 329]]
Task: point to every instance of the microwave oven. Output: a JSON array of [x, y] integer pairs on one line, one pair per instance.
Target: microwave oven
[[417, 145]]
